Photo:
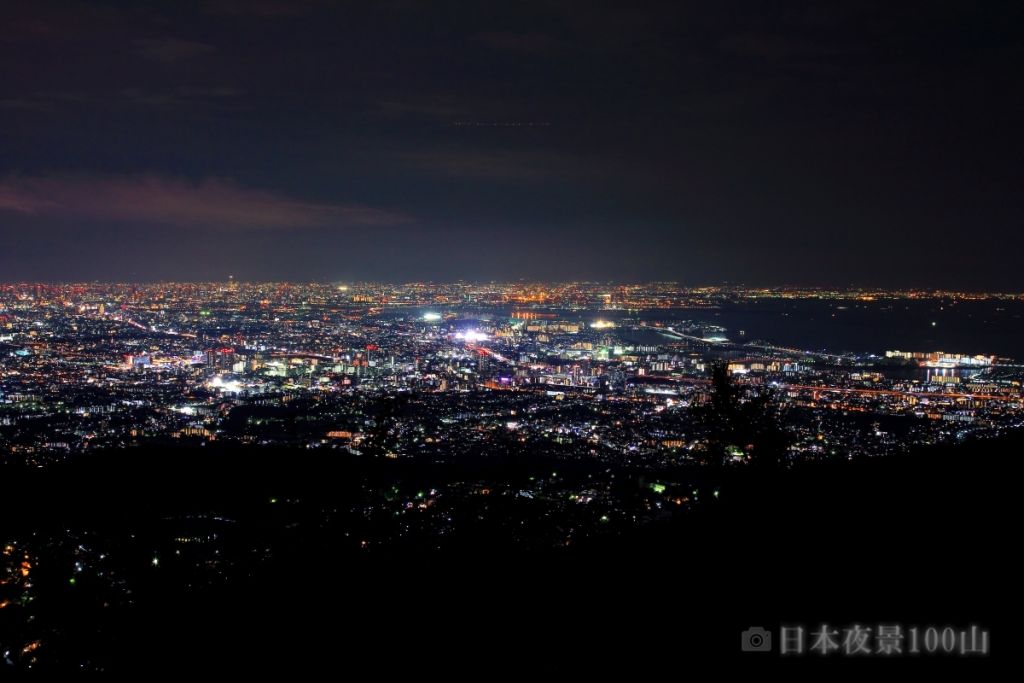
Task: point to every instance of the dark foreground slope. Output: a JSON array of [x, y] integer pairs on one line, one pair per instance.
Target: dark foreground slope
[[927, 539]]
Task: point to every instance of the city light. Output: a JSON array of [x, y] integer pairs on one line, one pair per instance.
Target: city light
[[225, 385], [471, 336]]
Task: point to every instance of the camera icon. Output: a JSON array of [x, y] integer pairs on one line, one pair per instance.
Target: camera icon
[[756, 639]]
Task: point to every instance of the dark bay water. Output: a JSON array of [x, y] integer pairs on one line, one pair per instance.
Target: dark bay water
[[970, 327], [973, 327]]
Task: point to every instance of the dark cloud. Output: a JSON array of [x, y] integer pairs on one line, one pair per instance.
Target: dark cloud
[[172, 50], [505, 164], [261, 8], [740, 140], [177, 97], [530, 43], [213, 203]]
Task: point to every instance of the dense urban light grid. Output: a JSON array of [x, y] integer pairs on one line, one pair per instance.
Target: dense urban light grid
[[611, 372], [485, 337]]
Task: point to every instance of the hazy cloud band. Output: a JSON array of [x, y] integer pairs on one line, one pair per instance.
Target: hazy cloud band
[[213, 203]]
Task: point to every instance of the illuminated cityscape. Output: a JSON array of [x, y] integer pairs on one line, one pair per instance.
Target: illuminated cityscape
[[547, 337], [601, 372]]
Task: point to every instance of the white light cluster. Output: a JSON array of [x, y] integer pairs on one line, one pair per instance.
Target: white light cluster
[[226, 386], [471, 336]]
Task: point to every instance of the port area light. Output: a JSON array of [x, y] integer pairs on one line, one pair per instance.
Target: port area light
[[225, 386], [431, 316], [471, 336]]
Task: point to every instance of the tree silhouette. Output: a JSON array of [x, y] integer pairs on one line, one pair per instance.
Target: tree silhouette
[[742, 424], [382, 438]]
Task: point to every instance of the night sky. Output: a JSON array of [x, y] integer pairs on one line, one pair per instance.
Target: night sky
[[760, 142]]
